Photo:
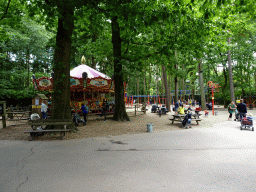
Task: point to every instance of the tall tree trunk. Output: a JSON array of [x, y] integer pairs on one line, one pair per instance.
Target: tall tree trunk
[[144, 86], [231, 84], [149, 79], [157, 88], [201, 83], [224, 87], [167, 88], [138, 84], [163, 91], [120, 111], [27, 61], [181, 91], [176, 85], [170, 89], [183, 84], [254, 78], [61, 67], [94, 37]]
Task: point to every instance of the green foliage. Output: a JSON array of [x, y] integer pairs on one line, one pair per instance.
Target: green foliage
[[152, 33]]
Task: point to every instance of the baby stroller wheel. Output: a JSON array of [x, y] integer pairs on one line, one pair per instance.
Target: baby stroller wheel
[[252, 128], [241, 127]]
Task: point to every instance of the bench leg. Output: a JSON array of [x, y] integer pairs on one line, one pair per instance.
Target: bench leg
[[62, 134], [197, 122], [32, 136]]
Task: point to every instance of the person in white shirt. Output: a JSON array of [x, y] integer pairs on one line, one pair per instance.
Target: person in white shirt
[[44, 110]]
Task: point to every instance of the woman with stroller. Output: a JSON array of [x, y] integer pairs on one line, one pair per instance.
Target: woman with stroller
[[231, 109]]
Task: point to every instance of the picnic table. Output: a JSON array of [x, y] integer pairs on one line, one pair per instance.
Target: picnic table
[[33, 133], [16, 115], [180, 117]]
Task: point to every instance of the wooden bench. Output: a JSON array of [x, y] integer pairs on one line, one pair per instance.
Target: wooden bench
[[107, 113], [33, 133], [197, 120]]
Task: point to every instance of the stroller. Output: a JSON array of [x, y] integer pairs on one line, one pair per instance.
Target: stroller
[[247, 123], [77, 119], [186, 121], [154, 109], [237, 116], [35, 117]]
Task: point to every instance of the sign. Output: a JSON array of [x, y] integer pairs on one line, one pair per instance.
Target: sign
[[98, 82], [45, 83], [36, 101], [74, 82]]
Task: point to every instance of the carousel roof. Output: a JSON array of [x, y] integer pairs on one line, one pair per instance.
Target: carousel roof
[[91, 73]]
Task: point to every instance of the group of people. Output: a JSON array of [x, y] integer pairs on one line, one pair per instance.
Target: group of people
[[105, 108], [84, 109], [179, 107], [240, 107]]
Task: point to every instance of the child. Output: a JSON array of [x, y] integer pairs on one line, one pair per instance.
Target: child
[[181, 110], [187, 120]]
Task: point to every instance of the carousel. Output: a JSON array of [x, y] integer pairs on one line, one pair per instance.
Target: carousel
[[87, 86]]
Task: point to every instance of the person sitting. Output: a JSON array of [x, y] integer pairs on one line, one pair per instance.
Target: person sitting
[[189, 108], [181, 110], [176, 107], [209, 106]]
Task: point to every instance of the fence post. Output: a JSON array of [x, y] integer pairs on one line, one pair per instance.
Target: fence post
[[3, 112]]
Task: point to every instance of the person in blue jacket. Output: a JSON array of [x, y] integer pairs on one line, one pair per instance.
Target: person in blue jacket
[[84, 109]]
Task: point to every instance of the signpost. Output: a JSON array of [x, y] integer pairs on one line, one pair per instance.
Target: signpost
[[213, 86]]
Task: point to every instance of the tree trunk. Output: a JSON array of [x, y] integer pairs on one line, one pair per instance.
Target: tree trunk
[[167, 93], [149, 79], [27, 61], [138, 84], [231, 84], [176, 85], [144, 86], [170, 89], [201, 83], [254, 78], [162, 89], [61, 67], [183, 84], [181, 92], [157, 88], [224, 87], [120, 111]]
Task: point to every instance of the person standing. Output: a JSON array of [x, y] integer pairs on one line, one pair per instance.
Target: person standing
[[84, 109], [104, 109], [176, 107], [231, 109], [44, 110], [242, 109]]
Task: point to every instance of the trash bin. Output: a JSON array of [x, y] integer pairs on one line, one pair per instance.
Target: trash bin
[[150, 128]]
